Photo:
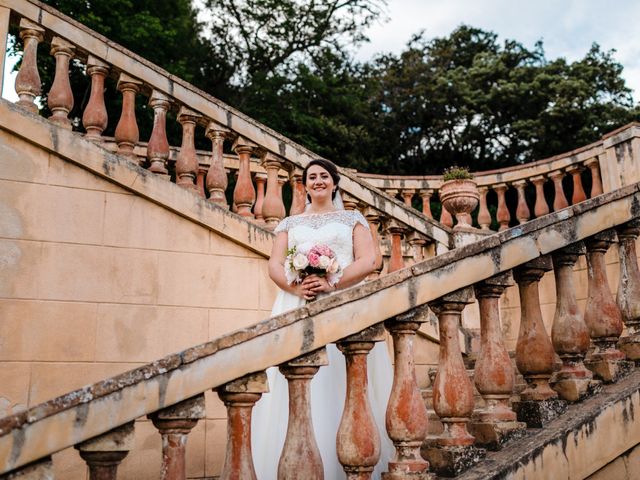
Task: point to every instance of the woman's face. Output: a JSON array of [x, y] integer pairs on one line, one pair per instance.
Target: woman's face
[[319, 183]]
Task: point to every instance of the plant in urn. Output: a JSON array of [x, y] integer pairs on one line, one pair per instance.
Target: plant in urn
[[459, 195]]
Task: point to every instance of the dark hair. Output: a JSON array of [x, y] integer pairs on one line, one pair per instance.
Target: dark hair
[[329, 167]]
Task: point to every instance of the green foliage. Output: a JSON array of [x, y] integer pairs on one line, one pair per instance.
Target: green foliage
[[456, 173]]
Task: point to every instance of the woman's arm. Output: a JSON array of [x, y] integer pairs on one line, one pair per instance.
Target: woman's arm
[[276, 267]]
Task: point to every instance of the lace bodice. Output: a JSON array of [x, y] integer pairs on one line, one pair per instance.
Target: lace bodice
[[334, 229]]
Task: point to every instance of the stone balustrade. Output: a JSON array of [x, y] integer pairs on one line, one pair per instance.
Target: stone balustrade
[[98, 419]]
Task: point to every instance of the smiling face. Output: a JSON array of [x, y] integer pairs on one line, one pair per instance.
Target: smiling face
[[319, 184]]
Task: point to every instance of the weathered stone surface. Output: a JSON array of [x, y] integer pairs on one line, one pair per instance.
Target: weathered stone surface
[[40, 470], [494, 435], [538, 413], [120, 439], [451, 461]]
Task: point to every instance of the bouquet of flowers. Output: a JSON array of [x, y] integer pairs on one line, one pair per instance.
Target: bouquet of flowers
[[319, 260]]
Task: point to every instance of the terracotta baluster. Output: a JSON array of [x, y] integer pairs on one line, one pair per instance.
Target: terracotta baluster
[[60, 98], [602, 315], [28, 79], [559, 199], [406, 418], [522, 211], [493, 375], [298, 200], [281, 183], [258, 208], [240, 396], [273, 207], [569, 334], [392, 192], [104, 453], [374, 219], [596, 183], [94, 118], [417, 243], [217, 175], [502, 214], [187, 161], [39, 470], [534, 351], [407, 196], [350, 202], [425, 195], [358, 440], [127, 134], [300, 455], [158, 146], [578, 191], [396, 231], [174, 424], [541, 207], [244, 194], [445, 217], [200, 179], [484, 217], [629, 289]]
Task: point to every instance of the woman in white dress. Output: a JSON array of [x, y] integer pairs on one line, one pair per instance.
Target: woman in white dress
[[347, 233]]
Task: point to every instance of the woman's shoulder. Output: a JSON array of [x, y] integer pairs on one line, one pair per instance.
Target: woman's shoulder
[[317, 220]]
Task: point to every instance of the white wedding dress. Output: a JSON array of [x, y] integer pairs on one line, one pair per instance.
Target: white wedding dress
[[328, 387]]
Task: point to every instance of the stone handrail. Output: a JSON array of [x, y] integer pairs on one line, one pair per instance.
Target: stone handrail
[[170, 388]]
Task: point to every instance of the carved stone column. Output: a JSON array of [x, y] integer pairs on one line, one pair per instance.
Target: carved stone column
[[535, 357], [406, 418], [104, 453], [602, 314], [596, 183], [569, 334], [578, 191], [407, 196], [158, 146], [94, 118], [28, 85], [60, 98], [300, 455], [127, 133], [425, 195], [629, 289], [187, 160], [452, 452], [273, 208], [200, 179], [541, 207], [358, 440], [217, 175], [496, 424], [417, 243], [502, 214], [559, 199], [298, 200], [484, 217], [396, 231], [174, 424], [522, 211], [260, 181], [240, 396], [39, 470], [374, 218], [244, 194]]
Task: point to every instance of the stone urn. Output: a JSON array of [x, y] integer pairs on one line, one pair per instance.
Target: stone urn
[[460, 197]]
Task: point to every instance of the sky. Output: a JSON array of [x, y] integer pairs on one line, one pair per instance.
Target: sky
[[567, 28]]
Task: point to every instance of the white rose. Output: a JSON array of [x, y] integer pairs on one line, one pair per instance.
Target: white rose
[[324, 262], [334, 266], [300, 261]]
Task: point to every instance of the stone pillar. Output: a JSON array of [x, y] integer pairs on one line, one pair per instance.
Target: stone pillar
[[541, 207], [28, 79], [217, 175], [417, 243], [127, 133], [260, 181], [496, 424], [200, 179], [244, 194], [570, 335], [578, 191], [358, 440], [407, 196], [484, 217], [94, 118], [425, 195], [273, 208], [158, 146], [39, 470], [453, 451], [60, 98], [629, 289], [300, 455], [535, 357], [187, 160], [174, 424], [596, 183], [240, 396], [602, 314], [522, 211], [406, 418], [396, 231], [374, 218], [502, 214], [104, 453], [298, 199], [559, 199]]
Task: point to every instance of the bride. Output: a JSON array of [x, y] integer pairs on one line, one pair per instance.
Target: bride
[[347, 233]]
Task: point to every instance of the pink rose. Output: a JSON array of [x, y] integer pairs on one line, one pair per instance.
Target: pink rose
[[314, 259]]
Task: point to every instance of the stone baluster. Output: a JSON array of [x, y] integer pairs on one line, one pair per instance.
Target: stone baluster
[[392, 192], [374, 219], [445, 217], [104, 453], [534, 351], [396, 231], [358, 440], [187, 160], [273, 207], [602, 314], [417, 243], [496, 424], [451, 452], [522, 211], [298, 199], [244, 194], [174, 424], [578, 191], [407, 196], [596, 183], [425, 195], [239, 396], [60, 98], [94, 118], [484, 217], [5, 15], [300, 455], [200, 181], [158, 146], [569, 334], [541, 207], [217, 175], [629, 289], [28, 79], [559, 199], [127, 133], [406, 418], [260, 180], [502, 214], [350, 202], [39, 470], [282, 181]]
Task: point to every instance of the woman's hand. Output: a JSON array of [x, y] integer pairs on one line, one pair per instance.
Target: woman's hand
[[315, 284]]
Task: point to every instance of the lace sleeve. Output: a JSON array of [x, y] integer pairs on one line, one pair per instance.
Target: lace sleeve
[[359, 218], [283, 226]]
